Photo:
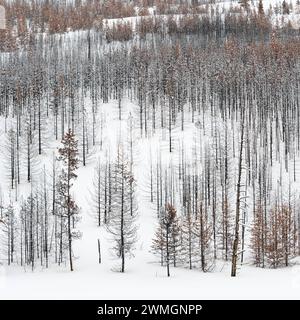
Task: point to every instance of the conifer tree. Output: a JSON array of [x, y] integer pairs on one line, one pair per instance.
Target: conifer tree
[[190, 242], [68, 156], [166, 232], [261, 8], [122, 223]]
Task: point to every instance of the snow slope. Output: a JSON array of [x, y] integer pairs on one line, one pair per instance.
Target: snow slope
[[144, 277]]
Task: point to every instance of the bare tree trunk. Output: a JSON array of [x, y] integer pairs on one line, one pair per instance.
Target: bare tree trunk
[[122, 226], [168, 251], [99, 251], [238, 200]]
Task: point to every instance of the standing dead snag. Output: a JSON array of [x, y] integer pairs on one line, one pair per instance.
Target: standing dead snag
[[99, 251], [98, 194], [68, 155], [238, 202]]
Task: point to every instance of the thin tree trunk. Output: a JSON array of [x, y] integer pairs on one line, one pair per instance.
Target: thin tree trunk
[[238, 200]]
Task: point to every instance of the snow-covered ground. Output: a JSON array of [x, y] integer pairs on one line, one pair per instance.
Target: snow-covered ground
[[144, 280]]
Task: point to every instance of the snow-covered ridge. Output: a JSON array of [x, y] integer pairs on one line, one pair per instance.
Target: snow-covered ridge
[[272, 8]]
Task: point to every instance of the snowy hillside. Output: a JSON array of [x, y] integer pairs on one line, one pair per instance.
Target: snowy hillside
[[144, 278], [151, 159]]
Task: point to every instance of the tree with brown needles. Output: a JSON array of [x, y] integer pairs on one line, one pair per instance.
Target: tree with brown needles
[[68, 155]]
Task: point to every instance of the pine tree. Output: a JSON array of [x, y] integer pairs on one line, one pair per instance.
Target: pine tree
[[166, 232], [257, 236], [261, 8], [245, 4], [176, 244], [190, 243], [9, 227], [10, 155], [204, 231], [68, 155], [97, 195], [122, 223], [285, 7]]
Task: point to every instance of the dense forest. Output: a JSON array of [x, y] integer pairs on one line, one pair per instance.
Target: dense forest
[[211, 93]]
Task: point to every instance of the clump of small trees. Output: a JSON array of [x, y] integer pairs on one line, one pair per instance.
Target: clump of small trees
[[183, 240], [41, 231], [274, 236]]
